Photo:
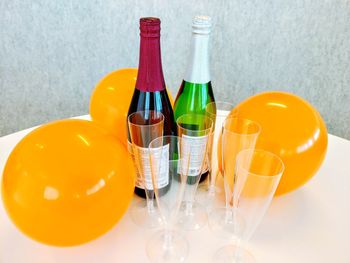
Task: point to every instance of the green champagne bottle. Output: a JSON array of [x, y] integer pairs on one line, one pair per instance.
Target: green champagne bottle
[[196, 91]]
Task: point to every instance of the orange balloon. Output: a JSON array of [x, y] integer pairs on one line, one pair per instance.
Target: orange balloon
[[110, 101], [67, 183], [291, 128]]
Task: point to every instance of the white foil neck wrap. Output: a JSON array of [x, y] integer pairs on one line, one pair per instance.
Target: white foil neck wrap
[[198, 66]]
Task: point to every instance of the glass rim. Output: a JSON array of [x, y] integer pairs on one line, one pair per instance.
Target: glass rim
[[254, 150], [146, 125], [195, 114], [244, 119], [218, 102], [162, 137], [150, 146]]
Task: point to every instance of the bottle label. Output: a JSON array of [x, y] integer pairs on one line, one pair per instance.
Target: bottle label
[[142, 164], [194, 149]]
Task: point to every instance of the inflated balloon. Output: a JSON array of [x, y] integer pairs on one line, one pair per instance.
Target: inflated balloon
[[291, 128], [67, 183], [110, 101]]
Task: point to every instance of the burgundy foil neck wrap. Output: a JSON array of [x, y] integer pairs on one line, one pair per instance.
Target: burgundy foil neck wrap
[[150, 73], [150, 27]]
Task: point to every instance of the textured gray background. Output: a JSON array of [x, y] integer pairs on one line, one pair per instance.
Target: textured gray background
[[52, 53]]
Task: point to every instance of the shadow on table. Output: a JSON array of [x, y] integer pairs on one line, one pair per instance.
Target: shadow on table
[[289, 217], [111, 247]]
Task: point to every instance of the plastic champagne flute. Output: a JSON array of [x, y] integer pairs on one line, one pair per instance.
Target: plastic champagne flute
[[218, 112], [195, 131], [145, 126], [168, 245], [256, 177], [237, 134]]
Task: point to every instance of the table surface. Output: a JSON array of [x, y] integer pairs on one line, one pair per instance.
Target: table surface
[[311, 224]]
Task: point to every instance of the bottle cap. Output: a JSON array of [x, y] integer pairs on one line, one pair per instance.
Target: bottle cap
[[150, 27], [201, 25]]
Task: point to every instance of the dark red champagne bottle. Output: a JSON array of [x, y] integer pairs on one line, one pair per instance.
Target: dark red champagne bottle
[[150, 90]]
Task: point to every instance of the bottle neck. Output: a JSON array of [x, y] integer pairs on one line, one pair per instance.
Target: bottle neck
[[150, 73], [198, 66]]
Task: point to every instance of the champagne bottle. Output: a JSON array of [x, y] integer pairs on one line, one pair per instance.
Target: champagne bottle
[[150, 90], [196, 91]]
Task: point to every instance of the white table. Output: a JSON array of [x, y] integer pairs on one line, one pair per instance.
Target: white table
[[311, 224]]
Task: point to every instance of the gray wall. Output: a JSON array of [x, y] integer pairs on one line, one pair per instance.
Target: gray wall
[[52, 53]]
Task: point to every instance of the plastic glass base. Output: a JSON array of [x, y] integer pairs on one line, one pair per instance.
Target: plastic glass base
[[192, 216], [171, 248], [233, 254], [144, 217], [224, 223]]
